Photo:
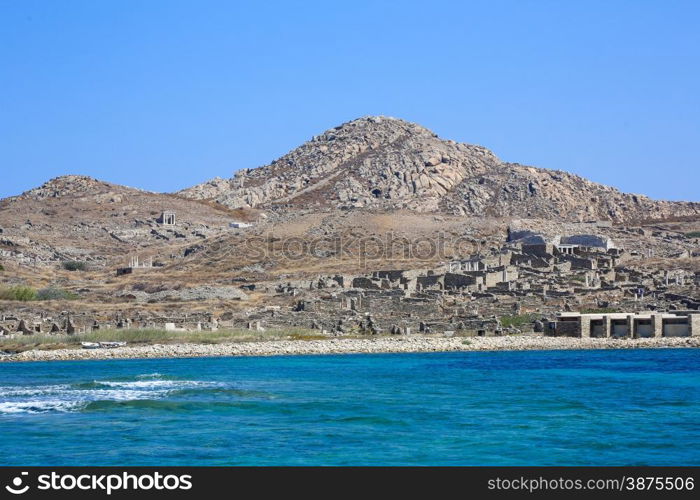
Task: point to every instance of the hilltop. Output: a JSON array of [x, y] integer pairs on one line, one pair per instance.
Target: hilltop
[[388, 163], [77, 217]]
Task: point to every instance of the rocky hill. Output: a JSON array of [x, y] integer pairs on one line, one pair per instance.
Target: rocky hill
[[361, 198], [396, 173], [388, 163], [80, 218]]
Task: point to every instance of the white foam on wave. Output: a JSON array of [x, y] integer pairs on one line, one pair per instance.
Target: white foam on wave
[[10, 391], [156, 384], [115, 395], [65, 398], [39, 406]]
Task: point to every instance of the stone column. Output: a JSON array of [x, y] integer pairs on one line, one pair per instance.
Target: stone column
[[657, 325], [694, 324], [631, 333], [585, 327], [607, 331]]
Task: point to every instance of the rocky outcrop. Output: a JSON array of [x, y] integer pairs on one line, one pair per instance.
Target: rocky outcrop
[[72, 186], [521, 191], [365, 162], [188, 294], [389, 163], [78, 218]]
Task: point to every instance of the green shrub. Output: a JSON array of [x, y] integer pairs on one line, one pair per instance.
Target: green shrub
[[74, 265], [146, 336], [517, 320], [600, 310], [2, 268], [53, 293], [694, 234], [23, 293], [27, 293]]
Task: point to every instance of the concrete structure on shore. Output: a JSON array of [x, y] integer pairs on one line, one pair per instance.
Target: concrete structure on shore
[[625, 325]]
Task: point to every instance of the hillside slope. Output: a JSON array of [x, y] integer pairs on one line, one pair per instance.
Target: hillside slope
[[80, 218], [388, 163]]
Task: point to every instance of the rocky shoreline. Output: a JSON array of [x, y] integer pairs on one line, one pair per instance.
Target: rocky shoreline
[[370, 345]]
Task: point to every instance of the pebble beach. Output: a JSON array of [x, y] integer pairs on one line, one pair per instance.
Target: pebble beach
[[370, 345]]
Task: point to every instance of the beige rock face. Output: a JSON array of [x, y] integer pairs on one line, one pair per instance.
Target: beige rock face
[[389, 163], [369, 161]]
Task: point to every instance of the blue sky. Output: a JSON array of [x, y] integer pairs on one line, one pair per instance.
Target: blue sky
[[165, 94]]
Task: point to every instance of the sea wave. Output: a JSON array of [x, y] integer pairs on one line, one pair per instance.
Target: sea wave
[[96, 393], [156, 384], [23, 391], [39, 406]]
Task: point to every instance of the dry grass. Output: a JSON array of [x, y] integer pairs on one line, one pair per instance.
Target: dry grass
[[151, 336]]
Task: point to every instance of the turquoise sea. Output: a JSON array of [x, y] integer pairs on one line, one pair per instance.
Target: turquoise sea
[[613, 407]]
